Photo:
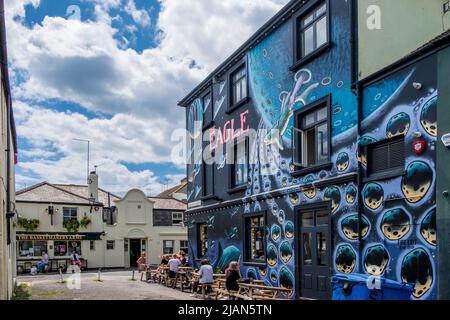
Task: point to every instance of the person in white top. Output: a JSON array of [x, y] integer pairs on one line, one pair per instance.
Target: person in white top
[[206, 274], [174, 264]]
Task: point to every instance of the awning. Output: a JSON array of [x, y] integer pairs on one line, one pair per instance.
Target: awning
[[59, 236]]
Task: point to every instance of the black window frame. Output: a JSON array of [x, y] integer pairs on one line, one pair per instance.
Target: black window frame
[[234, 105], [208, 116], [233, 187], [110, 242], [298, 124], [200, 254], [391, 172], [248, 261], [300, 59], [165, 247], [208, 175]]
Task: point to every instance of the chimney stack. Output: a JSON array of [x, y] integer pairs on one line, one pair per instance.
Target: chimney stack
[[93, 186]]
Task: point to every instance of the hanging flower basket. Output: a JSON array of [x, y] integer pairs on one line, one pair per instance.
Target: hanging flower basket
[[85, 222], [71, 225], [29, 225]]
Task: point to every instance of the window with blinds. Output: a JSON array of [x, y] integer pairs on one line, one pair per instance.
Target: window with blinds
[[386, 157]]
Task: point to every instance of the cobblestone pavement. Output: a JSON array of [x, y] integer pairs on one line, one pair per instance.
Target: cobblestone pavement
[[113, 286]]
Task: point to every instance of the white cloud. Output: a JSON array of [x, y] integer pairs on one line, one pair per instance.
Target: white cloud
[[141, 17], [81, 62]]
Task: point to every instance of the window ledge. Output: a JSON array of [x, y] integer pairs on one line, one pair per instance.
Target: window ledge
[[313, 55], [312, 169], [254, 264], [237, 105], [237, 189], [385, 176]]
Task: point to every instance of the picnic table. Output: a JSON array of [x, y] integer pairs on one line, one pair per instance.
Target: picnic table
[[253, 291]]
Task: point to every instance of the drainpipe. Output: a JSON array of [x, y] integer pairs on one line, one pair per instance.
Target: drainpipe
[[360, 173]]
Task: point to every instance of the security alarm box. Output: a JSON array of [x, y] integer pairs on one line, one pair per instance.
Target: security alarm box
[[446, 140]]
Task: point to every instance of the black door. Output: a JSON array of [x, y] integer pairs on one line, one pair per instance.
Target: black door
[[135, 251], [314, 259]]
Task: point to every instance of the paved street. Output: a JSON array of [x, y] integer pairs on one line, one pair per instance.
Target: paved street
[[114, 285]]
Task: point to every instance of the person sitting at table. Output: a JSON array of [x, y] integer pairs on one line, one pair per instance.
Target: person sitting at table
[[141, 262], [75, 259], [164, 260], [183, 258], [43, 263], [174, 264], [232, 276], [206, 274]]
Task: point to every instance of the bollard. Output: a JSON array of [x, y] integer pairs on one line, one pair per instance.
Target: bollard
[[61, 275], [132, 277], [99, 275]]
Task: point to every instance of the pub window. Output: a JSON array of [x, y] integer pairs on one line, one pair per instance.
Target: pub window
[[240, 164], [32, 248], [92, 245], [208, 172], [168, 246], [184, 246], [66, 248], [70, 214], [386, 157], [110, 244], [312, 31], [238, 85], [311, 135], [177, 218], [202, 240], [207, 109], [254, 240]]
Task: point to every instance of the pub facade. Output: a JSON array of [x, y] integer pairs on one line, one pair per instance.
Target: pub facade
[[301, 171]]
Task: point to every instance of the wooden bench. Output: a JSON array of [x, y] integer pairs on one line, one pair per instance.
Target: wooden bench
[[260, 292]]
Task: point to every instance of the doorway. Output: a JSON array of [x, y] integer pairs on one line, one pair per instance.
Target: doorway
[[135, 251], [314, 261]]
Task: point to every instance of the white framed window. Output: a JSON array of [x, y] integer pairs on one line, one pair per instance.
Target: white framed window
[[70, 214], [177, 218]]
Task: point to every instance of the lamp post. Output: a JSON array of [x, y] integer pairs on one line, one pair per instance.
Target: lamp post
[[88, 153]]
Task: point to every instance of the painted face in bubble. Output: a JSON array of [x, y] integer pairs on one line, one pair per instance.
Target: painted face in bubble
[[362, 157], [293, 198], [373, 195], [417, 268], [272, 255], [333, 194], [428, 118], [276, 233], [345, 260], [398, 125], [310, 192], [342, 162], [350, 227], [262, 271], [286, 252], [289, 230], [350, 194], [395, 224], [286, 278], [428, 227], [376, 260], [417, 181]]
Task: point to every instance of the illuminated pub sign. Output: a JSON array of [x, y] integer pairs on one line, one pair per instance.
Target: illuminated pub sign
[[59, 236]]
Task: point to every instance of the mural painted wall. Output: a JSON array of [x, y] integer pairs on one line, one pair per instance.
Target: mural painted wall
[[401, 213], [275, 92], [398, 228]]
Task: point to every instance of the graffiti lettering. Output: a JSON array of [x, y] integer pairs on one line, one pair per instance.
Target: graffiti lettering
[[218, 136]]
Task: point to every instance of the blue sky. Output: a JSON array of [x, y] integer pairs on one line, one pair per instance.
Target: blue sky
[[113, 75]]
